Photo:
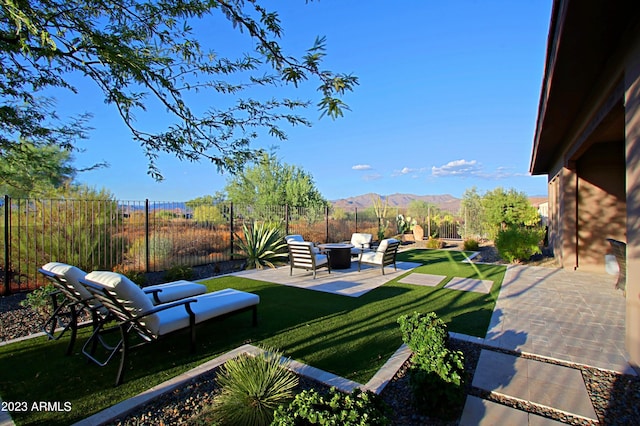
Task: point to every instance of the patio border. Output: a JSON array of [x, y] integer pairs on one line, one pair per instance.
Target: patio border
[[376, 384]]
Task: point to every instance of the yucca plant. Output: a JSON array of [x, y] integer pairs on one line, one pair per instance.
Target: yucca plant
[[263, 245], [252, 388]]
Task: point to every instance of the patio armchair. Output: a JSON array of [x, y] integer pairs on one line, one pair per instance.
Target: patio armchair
[[619, 250], [298, 238], [302, 255], [76, 299], [136, 316], [360, 242], [383, 255]]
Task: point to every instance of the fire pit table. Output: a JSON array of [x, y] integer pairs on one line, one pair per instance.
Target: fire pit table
[[339, 254]]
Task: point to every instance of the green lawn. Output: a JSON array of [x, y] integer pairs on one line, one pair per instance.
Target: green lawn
[[351, 337]]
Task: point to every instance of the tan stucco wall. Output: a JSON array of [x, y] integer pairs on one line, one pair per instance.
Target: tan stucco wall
[[601, 211]]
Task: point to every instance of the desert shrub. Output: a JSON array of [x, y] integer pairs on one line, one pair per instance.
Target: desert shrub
[[137, 277], [160, 249], [471, 244], [262, 245], [210, 214], [337, 408], [436, 375], [434, 243], [252, 388], [179, 272], [518, 243], [165, 215], [39, 300]]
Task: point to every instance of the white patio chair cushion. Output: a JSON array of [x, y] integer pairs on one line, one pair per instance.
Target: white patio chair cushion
[[207, 306], [321, 259], [361, 240], [298, 238], [377, 255], [128, 293], [175, 290], [72, 275]]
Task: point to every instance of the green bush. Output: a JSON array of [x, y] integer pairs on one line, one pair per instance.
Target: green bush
[[434, 243], [137, 277], [471, 244], [39, 300], [516, 243], [160, 250], [262, 245], [252, 388], [337, 408], [436, 375], [179, 272]]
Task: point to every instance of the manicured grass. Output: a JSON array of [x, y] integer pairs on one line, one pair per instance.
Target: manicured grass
[[351, 337]]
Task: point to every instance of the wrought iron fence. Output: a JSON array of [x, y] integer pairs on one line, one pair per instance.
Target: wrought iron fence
[[151, 236]]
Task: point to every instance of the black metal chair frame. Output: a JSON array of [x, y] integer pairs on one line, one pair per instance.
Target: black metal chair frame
[[66, 312], [126, 323]]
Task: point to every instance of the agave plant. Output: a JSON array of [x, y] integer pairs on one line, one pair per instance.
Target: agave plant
[[263, 245], [252, 388]]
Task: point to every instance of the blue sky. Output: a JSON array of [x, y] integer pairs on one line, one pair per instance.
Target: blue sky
[[447, 100]]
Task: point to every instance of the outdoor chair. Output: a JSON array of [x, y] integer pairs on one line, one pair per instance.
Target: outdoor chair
[[384, 255], [298, 238], [76, 299], [360, 242], [619, 250], [302, 255], [135, 315]]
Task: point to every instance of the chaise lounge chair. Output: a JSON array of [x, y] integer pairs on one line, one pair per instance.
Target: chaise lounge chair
[[135, 315], [384, 255], [75, 299]]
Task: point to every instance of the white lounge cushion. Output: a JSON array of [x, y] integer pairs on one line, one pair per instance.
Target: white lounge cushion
[[207, 306], [72, 275], [175, 290], [128, 293]]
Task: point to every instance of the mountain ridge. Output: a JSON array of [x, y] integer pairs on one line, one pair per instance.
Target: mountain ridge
[[443, 201]]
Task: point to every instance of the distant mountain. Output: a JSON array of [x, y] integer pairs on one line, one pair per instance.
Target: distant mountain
[[445, 201]]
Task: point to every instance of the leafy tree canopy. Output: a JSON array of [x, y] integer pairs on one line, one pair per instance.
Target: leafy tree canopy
[[143, 52], [508, 208], [272, 183], [473, 214]]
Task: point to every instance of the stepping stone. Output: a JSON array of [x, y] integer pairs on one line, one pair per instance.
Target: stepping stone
[[554, 386], [423, 279], [480, 412], [469, 284]]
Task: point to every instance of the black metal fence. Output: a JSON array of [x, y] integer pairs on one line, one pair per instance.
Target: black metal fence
[[151, 236]]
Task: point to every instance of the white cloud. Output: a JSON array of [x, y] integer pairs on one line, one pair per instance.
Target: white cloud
[[408, 171], [471, 168], [372, 177], [361, 167], [457, 168]]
